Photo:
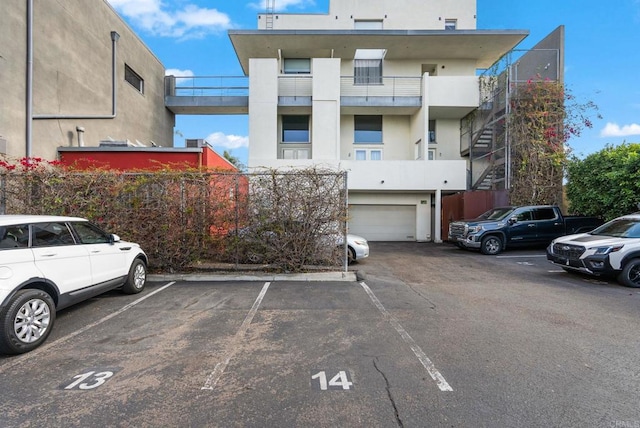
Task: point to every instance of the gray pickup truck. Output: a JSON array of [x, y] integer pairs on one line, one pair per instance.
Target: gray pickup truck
[[504, 227]]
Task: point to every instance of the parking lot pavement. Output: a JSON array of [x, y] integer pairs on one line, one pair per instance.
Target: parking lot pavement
[[426, 336], [220, 354]]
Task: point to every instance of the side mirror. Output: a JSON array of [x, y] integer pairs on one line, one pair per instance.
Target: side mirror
[[114, 238], [513, 220]]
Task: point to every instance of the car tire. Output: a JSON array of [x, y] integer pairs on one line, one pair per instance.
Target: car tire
[[491, 245], [26, 321], [351, 255], [630, 275], [137, 277]]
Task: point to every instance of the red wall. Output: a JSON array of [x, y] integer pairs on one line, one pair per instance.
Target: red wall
[[145, 159]]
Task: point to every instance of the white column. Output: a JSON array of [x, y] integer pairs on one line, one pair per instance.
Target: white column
[[438, 226]]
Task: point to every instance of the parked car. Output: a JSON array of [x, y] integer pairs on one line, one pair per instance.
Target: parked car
[[357, 247], [612, 249], [48, 263], [500, 228]]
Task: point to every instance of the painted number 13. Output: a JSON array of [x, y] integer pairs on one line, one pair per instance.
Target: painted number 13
[[94, 380], [341, 380]]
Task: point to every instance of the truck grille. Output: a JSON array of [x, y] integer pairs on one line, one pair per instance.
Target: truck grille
[[570, 252], [456, 229]]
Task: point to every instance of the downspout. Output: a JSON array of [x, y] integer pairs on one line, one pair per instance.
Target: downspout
[[29, 89], [114, 39]]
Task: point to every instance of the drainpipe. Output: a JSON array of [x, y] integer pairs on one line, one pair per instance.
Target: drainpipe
[[114, 39], [29, 83]]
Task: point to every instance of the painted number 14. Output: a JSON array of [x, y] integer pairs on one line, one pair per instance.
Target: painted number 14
[[339, 381]]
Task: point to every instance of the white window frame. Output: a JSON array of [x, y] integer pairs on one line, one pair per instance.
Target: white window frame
[[296, 153]]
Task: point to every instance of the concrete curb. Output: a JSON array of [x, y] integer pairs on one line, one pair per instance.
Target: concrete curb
[[302, 277]]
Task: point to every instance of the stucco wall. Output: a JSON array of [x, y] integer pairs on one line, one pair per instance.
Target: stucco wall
[[72, 76]]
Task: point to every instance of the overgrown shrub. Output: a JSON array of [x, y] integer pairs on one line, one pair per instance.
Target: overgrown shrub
[[185, 217]]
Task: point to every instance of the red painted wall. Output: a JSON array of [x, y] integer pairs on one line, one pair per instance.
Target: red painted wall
[[133, 158]]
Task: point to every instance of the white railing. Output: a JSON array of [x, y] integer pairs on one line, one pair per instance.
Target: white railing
[[202, 86], [386, 87], [295, 86]]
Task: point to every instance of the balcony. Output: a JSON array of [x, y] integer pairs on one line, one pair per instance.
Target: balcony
[[402, 94], [207, 94]]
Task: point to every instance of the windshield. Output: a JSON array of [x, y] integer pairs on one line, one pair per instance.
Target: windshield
[[496, 214], [622, 228]]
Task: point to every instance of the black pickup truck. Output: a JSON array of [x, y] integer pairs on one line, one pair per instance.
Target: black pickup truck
[[503, 227]]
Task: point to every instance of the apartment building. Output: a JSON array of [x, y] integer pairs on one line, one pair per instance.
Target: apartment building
[[73, 73], [377, 88]]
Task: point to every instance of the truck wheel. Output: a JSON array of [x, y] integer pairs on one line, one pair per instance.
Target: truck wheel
[[491, 245], [630, 275]]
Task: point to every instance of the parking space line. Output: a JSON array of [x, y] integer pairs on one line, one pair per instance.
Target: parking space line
[[219, 369], [21, 359], [422, 357]]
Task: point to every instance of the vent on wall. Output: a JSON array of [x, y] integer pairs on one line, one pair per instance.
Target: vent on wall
[[194, 143]]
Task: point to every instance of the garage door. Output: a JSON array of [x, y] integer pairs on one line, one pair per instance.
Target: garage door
[[383, 222]]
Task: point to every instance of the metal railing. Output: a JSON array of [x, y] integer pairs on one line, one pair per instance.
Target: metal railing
[[390, 86], [203, 86], [291, 86]]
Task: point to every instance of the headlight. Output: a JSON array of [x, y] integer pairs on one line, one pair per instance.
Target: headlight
[[475, 229], [607, 250], [360, 242]]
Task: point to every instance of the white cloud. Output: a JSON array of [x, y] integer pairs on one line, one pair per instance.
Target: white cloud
[[615, 130], [158, 18], [178, 73], [219, 139], [282, 5]]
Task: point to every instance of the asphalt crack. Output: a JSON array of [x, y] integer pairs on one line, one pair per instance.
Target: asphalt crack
[[388, 388]]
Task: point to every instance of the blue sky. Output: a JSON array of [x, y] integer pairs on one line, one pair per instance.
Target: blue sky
[[602, 60]]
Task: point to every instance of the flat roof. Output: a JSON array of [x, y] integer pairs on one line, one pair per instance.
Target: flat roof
[[484, 46]]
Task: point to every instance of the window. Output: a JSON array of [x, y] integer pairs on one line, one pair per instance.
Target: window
[[367, 71], [367, 25], [432, 154], [368, 129], [450, 24], [295, 129], [368, 154], [133, 78], [297, 66], [89, 234], [367, 66], [51, 234], [14, 236], [544, 214], [295, 154]]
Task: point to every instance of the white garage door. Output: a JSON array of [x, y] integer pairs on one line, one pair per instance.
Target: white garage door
[[383, 222]]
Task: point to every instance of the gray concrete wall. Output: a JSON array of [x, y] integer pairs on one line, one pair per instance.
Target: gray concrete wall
[[72, 69]]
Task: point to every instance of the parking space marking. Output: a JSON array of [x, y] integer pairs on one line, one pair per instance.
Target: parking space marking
[[422, 357], [44, 348], [219, 369]]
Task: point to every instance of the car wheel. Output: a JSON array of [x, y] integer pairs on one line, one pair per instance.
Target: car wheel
[[351, 255], [491, 245], [26, 321], [630, 275], [137, 278]]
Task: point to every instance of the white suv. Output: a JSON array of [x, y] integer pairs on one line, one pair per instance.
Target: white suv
[[48, 263], [611, 249]]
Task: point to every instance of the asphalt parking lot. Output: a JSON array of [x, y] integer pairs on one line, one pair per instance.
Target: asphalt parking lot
[[427, 336]]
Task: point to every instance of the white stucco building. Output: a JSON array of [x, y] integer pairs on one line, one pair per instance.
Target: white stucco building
[[377, 88]]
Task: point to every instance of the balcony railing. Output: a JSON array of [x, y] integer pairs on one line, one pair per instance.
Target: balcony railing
[[391, 86], [295, 86], [207, 86]]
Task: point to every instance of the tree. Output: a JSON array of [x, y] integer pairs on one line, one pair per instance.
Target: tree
[[606, 183], [234, 160]]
